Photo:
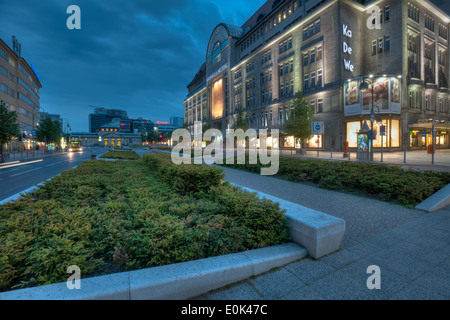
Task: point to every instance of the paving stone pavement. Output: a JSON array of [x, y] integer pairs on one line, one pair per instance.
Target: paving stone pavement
[[411, 249]]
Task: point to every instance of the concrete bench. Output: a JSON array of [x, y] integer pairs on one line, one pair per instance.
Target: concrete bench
[[318, 232]]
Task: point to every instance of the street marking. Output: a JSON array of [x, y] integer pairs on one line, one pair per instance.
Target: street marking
[[21, 164], [52, 164], [18, 174], [8, 163]]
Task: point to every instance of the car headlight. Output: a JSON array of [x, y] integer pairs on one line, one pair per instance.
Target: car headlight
[[70, 149]]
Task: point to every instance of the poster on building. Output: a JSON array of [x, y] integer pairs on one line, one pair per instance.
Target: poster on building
[[380, 95], [395, 95], [352, 97]]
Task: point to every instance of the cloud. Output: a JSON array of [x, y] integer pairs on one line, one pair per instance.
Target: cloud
[[138, 55]]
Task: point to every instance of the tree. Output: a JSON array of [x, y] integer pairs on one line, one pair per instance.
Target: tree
[[49, 131], [241, 121], [299, 122], [9, 128]]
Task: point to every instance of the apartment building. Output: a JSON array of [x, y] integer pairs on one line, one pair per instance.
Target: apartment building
[[19, 89]]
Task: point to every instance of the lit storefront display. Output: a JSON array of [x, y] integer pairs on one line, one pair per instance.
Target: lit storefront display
[[390, 140], [420, 136]]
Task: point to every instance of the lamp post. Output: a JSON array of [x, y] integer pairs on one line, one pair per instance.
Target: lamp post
[[363, 88]]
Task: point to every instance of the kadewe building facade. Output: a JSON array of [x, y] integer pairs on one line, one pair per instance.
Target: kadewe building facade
[[326, 49]]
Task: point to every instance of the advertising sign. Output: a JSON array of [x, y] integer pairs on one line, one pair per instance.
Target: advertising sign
[[380, 94], [363, 142], [386, 96]]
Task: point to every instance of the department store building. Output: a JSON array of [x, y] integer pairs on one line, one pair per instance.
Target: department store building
[[326, 49]]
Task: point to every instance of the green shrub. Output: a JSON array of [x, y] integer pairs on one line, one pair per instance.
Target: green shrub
[[185, 179], [111, 216]]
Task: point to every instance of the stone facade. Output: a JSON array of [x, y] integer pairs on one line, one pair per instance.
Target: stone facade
[[326, 49]]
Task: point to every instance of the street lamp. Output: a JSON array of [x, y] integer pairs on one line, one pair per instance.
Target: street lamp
[[363, 87]]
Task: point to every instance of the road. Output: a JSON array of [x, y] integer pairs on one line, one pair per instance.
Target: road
[[16, 177]]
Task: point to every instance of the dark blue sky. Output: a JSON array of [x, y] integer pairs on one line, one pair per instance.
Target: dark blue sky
[[135, 55]]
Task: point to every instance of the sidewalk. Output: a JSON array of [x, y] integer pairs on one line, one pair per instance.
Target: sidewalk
[[411, 248]]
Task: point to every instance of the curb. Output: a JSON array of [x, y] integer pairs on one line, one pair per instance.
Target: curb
[[436, 201], [171, 282]]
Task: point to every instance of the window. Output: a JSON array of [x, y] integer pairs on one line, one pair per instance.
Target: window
[[4, 72], [374, 47], [313, 80], [312, 104], [429, 23], [281, 70], [313, 55], [4, 88], [305, 59], [319, 78], [292, 65], [289, 10], [317, 27], [380, 45], [443, 31], [306, 84], [319, 106], [3, 54], [387, 43], [387, 14], [427, 103], [292, 87], [413, 12], [281, 90], [319, 53], [305, 34]]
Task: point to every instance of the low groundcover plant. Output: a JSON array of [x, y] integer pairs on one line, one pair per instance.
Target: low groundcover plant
[[108, 217]]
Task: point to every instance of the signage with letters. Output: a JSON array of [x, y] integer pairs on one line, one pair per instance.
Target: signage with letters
[[346, 32]]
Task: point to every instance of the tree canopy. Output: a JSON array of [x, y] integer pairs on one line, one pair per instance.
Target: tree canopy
[[49, 131], [9, 128]]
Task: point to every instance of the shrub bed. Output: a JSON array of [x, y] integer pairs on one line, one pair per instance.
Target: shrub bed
[[120, 154], [384, 182], [107, 217], [185, 179]]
